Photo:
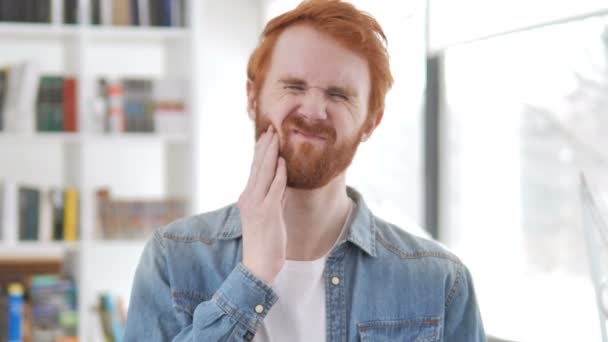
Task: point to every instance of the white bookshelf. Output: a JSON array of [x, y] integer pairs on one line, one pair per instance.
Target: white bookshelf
[[133, 164]]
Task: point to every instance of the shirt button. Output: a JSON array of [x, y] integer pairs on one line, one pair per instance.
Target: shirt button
[[335, 280], [259, 308]]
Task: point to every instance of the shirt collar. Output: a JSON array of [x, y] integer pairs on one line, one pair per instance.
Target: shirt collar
[[362, 230]]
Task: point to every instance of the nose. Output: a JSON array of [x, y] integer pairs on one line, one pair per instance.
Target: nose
[[313, 105]]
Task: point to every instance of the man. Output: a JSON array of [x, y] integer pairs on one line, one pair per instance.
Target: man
[[300, 257]]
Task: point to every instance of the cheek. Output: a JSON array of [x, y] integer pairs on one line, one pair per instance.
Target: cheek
[[277, 110]]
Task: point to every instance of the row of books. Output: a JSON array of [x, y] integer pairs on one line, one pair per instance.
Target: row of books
[[141, 105], [29, 213], [134, 219], [39, 307], [121, 105], [170, 13], [35, 11], [31, 101]]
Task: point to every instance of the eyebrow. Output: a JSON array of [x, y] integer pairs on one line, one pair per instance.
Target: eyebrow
[[332, 89]]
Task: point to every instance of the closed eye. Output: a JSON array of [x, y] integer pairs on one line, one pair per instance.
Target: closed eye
[[338, 96], [294, 87]]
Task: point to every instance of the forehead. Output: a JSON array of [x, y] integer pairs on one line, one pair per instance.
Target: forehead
[[304, 52]]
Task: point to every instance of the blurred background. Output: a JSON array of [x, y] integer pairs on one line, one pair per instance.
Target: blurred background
[[118, 116]]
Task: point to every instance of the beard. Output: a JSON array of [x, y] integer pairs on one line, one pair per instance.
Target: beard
[[310, 165]]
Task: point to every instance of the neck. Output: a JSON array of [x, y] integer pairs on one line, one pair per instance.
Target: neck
[[314, 219]]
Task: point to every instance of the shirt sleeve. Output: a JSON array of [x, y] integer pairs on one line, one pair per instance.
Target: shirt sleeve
[[462, 318], [234, 312]]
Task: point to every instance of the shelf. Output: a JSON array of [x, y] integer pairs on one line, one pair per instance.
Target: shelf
[[136, 33], [60, 137], [36, 249], [100, 33], [37, 30]]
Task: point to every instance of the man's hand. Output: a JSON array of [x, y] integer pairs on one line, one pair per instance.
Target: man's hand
[[261, 206]]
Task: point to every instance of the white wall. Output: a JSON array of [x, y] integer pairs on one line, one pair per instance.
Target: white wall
[[456, 21], [228, 33]]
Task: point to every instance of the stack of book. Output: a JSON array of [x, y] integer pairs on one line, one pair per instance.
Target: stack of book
[[47, 309], [141, 105], [169, 13], [134, 218], [30, 102], [56, 104], [29, 213], [34, 11]]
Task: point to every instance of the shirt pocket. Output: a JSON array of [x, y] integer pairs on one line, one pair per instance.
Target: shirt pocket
[[422, 329]]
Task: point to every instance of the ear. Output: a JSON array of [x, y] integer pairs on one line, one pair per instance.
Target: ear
[[371, 124], [251, 103]]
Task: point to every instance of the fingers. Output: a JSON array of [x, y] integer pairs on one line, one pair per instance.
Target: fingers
[[258, 156], [277, 188], [267, 169]]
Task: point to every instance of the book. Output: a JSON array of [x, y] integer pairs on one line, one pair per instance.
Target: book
[[70, 217], [134, 218], [51, 104], [134, 12], [29, 211], [53, 306], [143, 9], [15, 312], [57, 204], [116, 115], [20, 102], [121, 12], [70, 117], [137, 105], [9, 220], [3, 90], [106, 12], [70, 11], [25, 10], [46, 216], [95, 12]]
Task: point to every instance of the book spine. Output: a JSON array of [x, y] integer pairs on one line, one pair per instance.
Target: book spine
[[116, 115], [43, 112], [15, 312], [46, 217], [70, 118], [3, 88], [58, 104], [95, 12], [106, 12], [134, 11], [143, 7], [70, 218], [29, 213], [57, 199], [9, 211], [166, 13]]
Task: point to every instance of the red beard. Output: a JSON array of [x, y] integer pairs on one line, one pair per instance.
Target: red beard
[[311, 165]]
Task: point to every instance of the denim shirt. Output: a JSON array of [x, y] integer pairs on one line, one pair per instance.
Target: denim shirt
[[382, 284]]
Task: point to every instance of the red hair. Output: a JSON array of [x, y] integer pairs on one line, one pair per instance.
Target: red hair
[[353, 29]]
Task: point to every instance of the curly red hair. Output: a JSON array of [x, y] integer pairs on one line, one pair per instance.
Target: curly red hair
[[352, 28]]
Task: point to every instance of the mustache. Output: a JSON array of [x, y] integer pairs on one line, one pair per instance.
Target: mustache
[[322, 129]]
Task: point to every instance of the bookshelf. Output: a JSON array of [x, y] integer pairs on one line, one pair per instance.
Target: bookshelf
[[133, 164]]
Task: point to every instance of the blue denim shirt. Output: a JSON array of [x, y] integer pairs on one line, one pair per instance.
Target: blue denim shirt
[[190, 285]]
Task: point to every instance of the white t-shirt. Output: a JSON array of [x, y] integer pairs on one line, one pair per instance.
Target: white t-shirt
[[299, 313]]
